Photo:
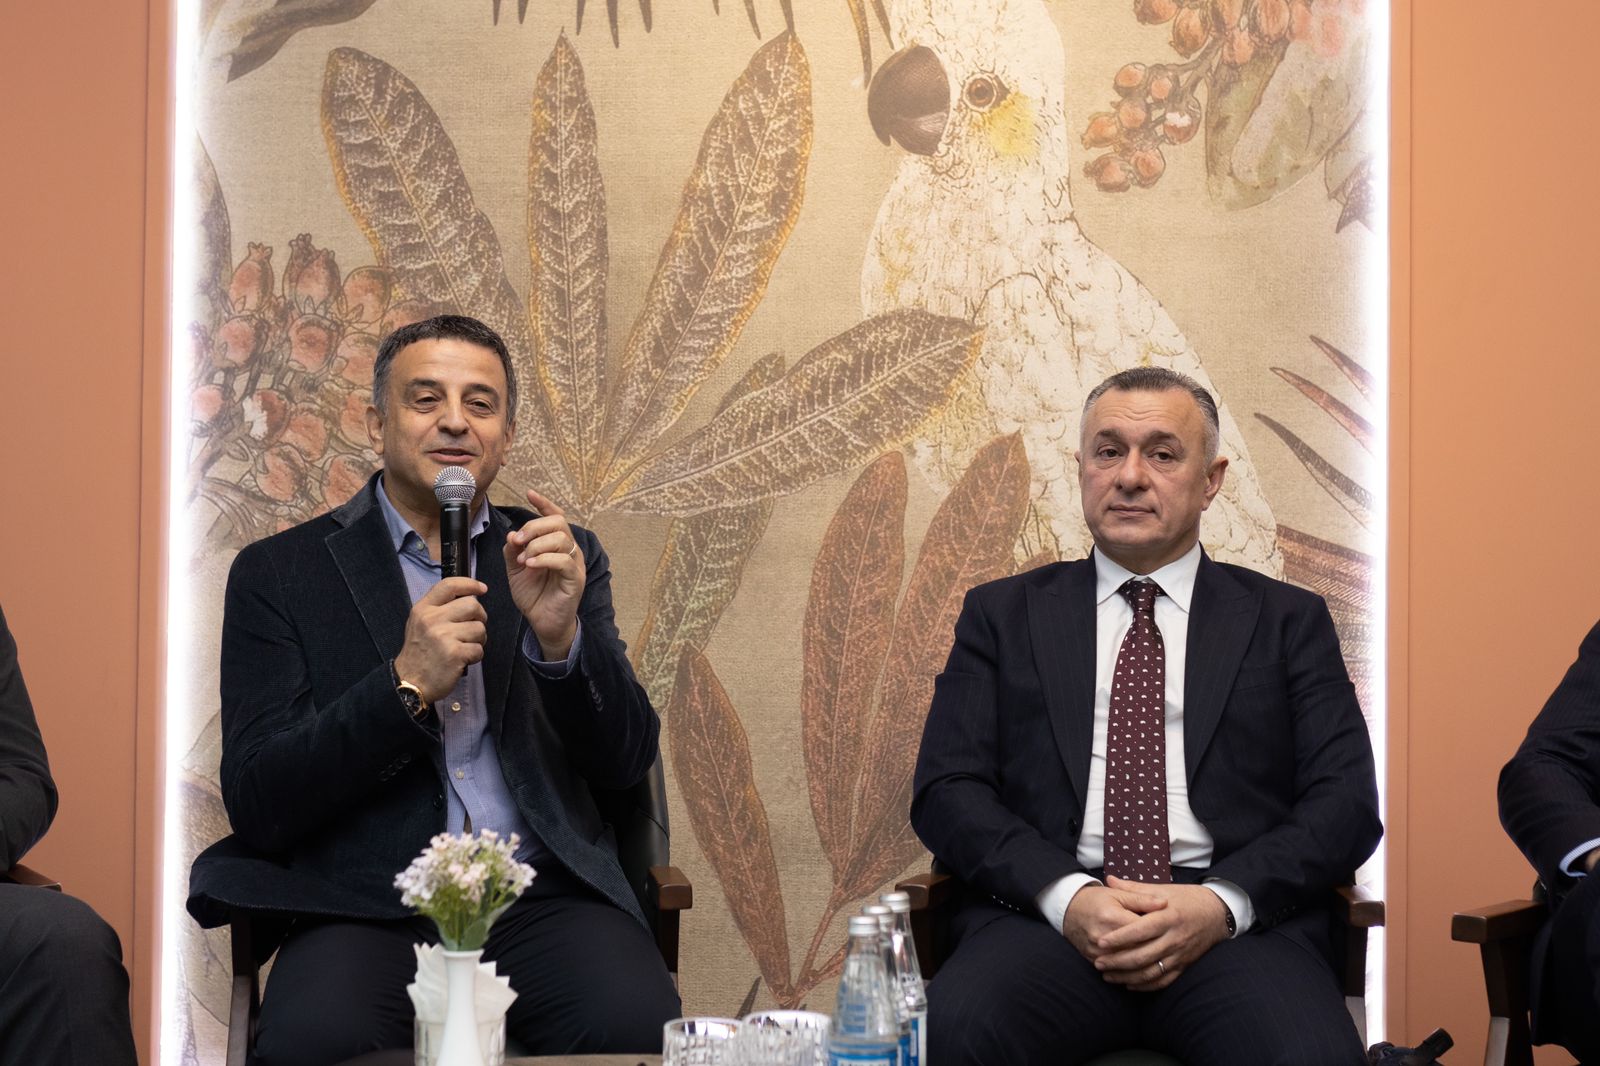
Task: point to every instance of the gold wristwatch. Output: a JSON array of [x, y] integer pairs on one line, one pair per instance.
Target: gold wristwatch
[[410, 695]]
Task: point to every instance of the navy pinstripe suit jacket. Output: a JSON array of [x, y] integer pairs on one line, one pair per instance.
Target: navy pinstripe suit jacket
[[1280, 767]]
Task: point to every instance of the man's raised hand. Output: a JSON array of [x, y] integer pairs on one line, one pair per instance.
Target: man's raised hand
[[445, 634]]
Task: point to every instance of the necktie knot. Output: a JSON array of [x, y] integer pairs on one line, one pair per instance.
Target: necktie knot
[[1141, 596]]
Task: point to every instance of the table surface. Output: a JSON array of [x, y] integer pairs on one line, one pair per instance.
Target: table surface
[[407, 1058]]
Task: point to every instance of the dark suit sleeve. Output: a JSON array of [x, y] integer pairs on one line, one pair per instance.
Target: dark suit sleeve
[[956, 806], [27, 794], [1550, 790], [600, 709], [289, 767], [1332, 825]]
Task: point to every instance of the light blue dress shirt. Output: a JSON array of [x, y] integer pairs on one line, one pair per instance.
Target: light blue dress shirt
[[475, 789]]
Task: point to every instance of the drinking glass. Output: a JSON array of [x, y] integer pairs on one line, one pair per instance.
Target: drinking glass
[[784, 1038], [699, 1042]]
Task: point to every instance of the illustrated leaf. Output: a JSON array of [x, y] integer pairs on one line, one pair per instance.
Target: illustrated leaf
[[401, 178], [1345, 491], [268, 32], [1359, 375], [848, 399], [568, 260], [1337, 409], [700, 570], [849, 614], [1273, 120], [711, 761], [969, 541], [214, 236], [738, 208], [1344, 578]]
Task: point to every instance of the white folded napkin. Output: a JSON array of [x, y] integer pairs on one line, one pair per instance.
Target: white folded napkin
[[492, 994]]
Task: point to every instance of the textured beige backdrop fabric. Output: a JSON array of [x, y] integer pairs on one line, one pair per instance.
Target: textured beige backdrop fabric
[[1247, 287]]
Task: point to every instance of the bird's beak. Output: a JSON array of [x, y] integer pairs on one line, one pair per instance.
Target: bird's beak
[[910, 100]]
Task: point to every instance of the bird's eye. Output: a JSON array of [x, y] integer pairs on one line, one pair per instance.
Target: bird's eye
[[984, 91]]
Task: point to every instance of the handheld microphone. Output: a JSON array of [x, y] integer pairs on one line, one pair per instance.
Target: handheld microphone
[[454, 488]]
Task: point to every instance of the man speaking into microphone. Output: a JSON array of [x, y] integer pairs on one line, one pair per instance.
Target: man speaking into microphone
[[372, 697]]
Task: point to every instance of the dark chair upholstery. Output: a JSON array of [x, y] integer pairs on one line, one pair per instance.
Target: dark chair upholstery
[[933, 898], [639, 817], [22, 875], [1504, 933]]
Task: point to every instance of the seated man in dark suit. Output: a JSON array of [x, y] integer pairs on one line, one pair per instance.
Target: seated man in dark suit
[[368, 704], [1150, 771], [63, 991], [1550, 805]]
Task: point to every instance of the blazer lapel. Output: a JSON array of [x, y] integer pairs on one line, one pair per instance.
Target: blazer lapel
[[505, 621], [1061, 624], [1222, 617], [366, 558]]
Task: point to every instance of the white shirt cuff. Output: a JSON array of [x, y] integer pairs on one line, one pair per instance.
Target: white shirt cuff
[[1237, 901], [535, 655], [1057, 897], [1575, 854]]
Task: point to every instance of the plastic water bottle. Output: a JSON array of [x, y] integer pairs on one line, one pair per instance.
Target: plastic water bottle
[[865, 1029], [909, 975], [902, 1016]]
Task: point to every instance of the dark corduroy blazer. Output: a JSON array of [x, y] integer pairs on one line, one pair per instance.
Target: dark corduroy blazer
[[332, 788], [1280, 767], [1550, 790], [27, 793]]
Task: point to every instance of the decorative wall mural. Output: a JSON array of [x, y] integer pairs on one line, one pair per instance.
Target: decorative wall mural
[[808, 388]]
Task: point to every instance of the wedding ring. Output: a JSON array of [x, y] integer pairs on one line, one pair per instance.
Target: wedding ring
[[1162, 967], [572, 552]]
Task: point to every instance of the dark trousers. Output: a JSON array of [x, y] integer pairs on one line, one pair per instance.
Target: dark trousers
[[1016, 992], [588, 979], [63, 991], [1569, 1009]]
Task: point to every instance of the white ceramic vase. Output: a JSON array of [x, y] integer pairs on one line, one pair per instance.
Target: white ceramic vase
[[459, 1044]]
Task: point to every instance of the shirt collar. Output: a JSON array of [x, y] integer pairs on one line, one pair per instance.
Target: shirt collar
[[400, 530], [1176, 578]]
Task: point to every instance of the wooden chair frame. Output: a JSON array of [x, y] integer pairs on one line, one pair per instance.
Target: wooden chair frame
[[1504, 933]]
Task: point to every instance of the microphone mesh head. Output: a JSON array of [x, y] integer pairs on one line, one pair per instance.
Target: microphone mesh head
[[454, 484]]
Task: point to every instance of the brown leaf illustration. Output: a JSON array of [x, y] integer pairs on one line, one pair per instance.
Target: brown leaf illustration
[[1359, 375], [739, 205], [700, 569], [402, 180], [1349, 495], [849, 398], [1337, 409], [711, 762], [568, 253], [1343, 577], [269, 31], [969, 541], [849, 613]]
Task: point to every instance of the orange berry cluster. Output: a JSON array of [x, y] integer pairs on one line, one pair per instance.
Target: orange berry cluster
[[1156, 104]]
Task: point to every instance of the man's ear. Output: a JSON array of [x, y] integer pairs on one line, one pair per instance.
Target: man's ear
[[1219, 467], [375, 428]]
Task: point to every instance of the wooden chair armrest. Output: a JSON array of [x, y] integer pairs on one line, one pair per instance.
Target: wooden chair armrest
[[669, 887], [929, 891], [1498, 921], [1357, 907], [23, 875]]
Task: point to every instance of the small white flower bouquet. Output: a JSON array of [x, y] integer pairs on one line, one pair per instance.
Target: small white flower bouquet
[[464, 883]]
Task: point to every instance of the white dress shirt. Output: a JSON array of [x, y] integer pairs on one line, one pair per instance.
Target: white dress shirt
[[1191, 844]]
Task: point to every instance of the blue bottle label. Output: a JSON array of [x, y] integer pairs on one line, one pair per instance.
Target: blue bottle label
[[919, 1038], [865, 1056]]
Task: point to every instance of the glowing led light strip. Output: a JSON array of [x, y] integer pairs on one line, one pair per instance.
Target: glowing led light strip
[[180, 594]]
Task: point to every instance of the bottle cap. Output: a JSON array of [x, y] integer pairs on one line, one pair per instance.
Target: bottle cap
[[875, 909], [864, 925], [899, 902]]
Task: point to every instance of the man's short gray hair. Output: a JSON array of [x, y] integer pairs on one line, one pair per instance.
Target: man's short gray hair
[[1161, 379]]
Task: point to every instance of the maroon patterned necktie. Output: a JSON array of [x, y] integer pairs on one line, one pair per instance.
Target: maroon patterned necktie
[[1137, 846]]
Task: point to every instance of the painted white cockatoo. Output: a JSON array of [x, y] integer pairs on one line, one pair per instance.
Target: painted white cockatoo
[[979, 224]]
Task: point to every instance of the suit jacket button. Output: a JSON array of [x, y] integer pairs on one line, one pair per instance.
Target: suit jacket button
[[1072, 825], [438, 800]]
